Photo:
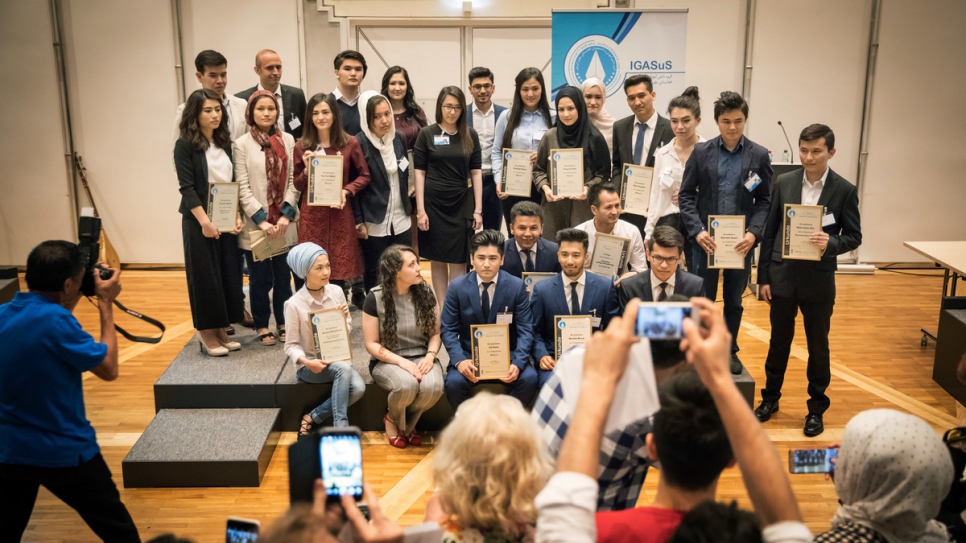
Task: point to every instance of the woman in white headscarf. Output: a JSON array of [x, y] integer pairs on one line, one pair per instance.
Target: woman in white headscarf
[[595, 94], [891, 475]]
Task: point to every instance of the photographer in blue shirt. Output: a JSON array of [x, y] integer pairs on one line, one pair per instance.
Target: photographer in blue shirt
[[46, 437]]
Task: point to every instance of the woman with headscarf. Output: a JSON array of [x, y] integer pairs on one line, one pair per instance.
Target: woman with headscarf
[[384, 203], [572, 130], [310, 263], [268, 199], [595, 94], [891, 474]]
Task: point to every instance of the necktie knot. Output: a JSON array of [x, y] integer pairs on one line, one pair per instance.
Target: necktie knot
[[486, 284], [663, 295]]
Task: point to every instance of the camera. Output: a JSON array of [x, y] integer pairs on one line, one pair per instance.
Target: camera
[[89, 243]]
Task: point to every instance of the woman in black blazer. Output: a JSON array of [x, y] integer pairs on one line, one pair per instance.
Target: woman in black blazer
[[385, 203], [202, 155]]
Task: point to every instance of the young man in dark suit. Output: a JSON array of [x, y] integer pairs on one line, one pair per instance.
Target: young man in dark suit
[[665, 278], [792, 285], [482, 115], [527, 251], [571, 292], [487, 295], [291, 100], [726, 175], [638, 136]]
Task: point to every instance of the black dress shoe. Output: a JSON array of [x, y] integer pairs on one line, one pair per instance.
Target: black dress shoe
[[735, 365], [765, 410], [813, 425]]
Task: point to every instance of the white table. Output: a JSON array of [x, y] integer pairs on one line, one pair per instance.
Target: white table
[[951, 255]]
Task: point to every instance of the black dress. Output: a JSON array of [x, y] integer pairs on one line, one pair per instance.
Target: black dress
[[447, 194]]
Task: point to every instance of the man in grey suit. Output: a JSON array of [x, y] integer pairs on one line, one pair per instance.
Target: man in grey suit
[[665, 278], [291, 100], [637, 137]]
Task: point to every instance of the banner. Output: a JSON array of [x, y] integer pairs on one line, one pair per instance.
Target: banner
[[613, 45]]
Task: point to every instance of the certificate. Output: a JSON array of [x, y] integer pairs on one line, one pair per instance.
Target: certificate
[[530, 279], [330, 335], [726, 231], [516, 177], [325, 181], [491, 350], [610, 256], [799, 223], [636, 189], [570, 331], [223, 205], [567, 172], [264, 247]]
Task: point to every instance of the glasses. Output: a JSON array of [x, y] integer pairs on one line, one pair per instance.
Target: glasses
[[452, 109], [486, 87], [669, 260]]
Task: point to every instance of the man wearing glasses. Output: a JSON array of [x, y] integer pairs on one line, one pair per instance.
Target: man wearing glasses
[[482, 115], [665, 251]]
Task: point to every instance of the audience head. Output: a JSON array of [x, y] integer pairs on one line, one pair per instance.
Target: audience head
[[212, 71], [730, 114], [323, 117], [605, 203], [377, 115], [482, 86], [56, 268], [572, 251], [451, 110], [892, 473], [490, 465], [712, 522], [665, 250], [595, 95], [816, 145], [640, 96], [262, 111], [399, 274], [570, 106], [203, 113], [530, 95], [526, 223], [397, 87], [310, 262], [486, 253], [268, 67], [685, 113], [350, 69]]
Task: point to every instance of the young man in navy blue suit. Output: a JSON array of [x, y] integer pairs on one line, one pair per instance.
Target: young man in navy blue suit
[[665, 278], [482, 115], [726, 175], [487, 295], [527, 251], [572, 292]]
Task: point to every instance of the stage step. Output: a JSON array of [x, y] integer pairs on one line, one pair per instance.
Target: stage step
[[203, 447]]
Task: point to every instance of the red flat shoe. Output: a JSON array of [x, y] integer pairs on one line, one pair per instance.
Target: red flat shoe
[[414, 439], [399, 441]]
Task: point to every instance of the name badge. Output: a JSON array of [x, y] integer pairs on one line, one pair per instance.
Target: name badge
[[441, 140], [753, 181], [403, 164], [294, 123], [595, 322], [504, 318], [828, 220], [666, 179], [537, 136]]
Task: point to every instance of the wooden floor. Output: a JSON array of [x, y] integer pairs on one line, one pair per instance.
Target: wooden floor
[[877, 362]]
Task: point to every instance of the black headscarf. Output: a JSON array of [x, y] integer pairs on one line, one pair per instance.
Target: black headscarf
[[583, 135]]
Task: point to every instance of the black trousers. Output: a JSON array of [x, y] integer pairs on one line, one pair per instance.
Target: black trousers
[[87, 488], [492, 212], [372, 250], [214, 277], [814, 294]]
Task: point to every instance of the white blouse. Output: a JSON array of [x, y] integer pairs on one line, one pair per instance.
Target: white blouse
[[220, 167], [668, 168]]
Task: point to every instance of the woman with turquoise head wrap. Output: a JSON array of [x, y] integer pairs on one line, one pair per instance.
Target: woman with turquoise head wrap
[[310, 262]]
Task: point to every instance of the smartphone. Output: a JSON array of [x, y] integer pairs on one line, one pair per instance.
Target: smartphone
[[340, 455], [241, 530], [662, 320], [811, 460]]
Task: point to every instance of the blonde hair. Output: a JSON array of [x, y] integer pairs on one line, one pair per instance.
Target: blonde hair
[[490, 465]]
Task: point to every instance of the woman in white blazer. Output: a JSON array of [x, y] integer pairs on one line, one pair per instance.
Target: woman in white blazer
[[269, 203]]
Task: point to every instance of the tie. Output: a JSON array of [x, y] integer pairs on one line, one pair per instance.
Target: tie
[[529, 263], [574, 302], [639, 144], [485, 300], [663, 295]]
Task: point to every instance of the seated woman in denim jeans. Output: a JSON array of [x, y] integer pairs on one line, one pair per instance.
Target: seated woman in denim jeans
[[311, 263]]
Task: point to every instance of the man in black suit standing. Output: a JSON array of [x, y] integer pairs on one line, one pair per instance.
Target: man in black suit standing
[[789, 285], [527, 251], [665, 278], [726, 175], [291, 100], [638, 136]]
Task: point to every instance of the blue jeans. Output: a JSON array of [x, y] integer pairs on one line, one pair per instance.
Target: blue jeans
[[735, 282], [268, 275], [347, 388]]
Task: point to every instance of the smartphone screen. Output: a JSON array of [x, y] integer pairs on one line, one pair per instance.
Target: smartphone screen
[[662, 320], [811, 460], [341, 458], [241, 531]]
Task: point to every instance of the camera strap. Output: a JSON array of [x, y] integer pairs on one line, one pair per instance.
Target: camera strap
[[145, 318]]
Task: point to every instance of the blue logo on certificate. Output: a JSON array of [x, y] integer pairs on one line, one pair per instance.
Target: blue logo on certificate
[[315, 162], [714, 224], [214, 190], [315, 320], [556, 157], [478, 334], [791, 212], [509, 156], [629, 172], [561, 324], [529, 280]]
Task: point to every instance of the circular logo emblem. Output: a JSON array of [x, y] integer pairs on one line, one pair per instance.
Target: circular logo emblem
[[629, 172], [529, 280], [791, 212], [561, 324], [315, 320], [214, 190], [594, 56], [714, 224], [315, 162], [556, 157], [478, 334], [509, 156]]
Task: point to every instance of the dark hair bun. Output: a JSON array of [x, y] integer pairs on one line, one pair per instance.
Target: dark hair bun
[[691, 92]]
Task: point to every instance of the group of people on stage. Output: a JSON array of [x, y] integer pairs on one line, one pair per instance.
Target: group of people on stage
[[397, 168]]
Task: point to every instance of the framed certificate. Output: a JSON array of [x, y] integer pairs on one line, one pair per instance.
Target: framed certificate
[[567, 172], [726, 231], [798, 224], [223, 205], [610, 256], [516, 177], [411, 179], [570, 331], [325, 181], [330, 335], [530, 279], [491, 350], [264, 247], [636, 188]]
